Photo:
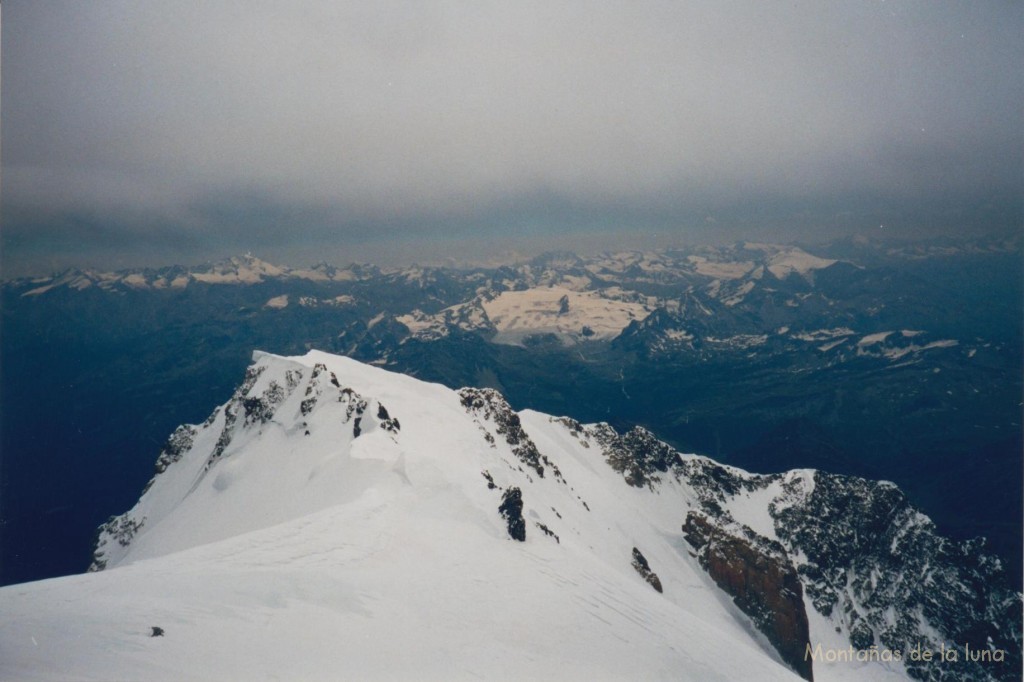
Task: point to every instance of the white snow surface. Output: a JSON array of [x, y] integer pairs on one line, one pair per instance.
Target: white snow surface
[[797, 260], [306, 552], [277, 302], [739, 294], [518, 314], [245, 270], [721, 269], [423, 324], [237, 270], [825, 334], [872, 339]]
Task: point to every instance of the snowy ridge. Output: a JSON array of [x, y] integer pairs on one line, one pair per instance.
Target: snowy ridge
[[666, 332], [470, 317], [757, 288], [335, 519], [237, 270]]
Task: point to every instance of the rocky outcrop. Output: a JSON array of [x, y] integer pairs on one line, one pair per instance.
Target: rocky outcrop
[[641, 566], [877, 567], [487, 405], [637, 455], [260, 409], [869, 563], [511, 509], [179, 443], [387, 422], [118, 528], [762, 581]]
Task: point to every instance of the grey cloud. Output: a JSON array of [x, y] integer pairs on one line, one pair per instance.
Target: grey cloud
[[273, 121]]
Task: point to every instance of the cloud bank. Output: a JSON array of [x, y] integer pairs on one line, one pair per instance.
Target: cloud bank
[[183, 128]]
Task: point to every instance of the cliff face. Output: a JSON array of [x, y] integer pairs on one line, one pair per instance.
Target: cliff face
[[877, 567], [762, 581], [871, 566]]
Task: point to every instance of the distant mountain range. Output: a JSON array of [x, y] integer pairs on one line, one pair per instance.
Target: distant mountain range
[[865, 358], [332, 518]]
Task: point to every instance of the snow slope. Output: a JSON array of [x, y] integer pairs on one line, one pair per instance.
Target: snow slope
[[380, 556], [337, 521]]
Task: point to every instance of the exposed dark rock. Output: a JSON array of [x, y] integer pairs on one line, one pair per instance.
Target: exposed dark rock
[[179, 442], [261, 409], [120, 528], [230, 416], [387, 422], [714, 483], [489, 405], [292, 379], [877, 564], [251, 375], [490, 480], [255, 410], [356, 403], [547, 531], [758, 574], [541, 342], [643, 568], [307, 406], [637, 455], [511, 509], [212, 418], [313, 390], [576, 430], [231, 412], [157, 632]]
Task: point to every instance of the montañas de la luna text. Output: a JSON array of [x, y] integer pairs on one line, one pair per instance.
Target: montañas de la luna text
[[918, 653]]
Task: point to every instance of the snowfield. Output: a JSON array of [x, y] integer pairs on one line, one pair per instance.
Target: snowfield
[[559, 311], [366, 592]]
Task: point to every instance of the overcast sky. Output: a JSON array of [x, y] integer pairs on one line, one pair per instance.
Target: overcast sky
[[146, 132]]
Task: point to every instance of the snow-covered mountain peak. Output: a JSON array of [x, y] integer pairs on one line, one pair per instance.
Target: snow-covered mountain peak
[[333, 516], [247, 269], [235, 270], [796, 260]]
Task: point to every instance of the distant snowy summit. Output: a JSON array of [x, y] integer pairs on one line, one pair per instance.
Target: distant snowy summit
[[694, 303], [334, 520], [713, 266], [247, 269]]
